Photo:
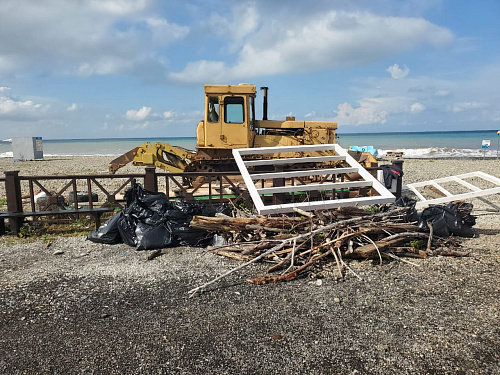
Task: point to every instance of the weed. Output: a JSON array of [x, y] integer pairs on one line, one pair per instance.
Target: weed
[[373, 208], [25, 231], [243, 205], [417, 244], [46, 238]]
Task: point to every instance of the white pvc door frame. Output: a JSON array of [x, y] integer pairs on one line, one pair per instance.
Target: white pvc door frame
[[475, 191], [336, 153]]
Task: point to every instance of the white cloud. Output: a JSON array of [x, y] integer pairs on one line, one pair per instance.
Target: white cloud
[[417, 108], [320, 41], [368, 112], [396, 72], [4, 89], [138, 115], [83, 37], [119, 7], [9, 106], [442, 93], [464, 106], [72, 107], [131, 127], [168, 114], [102, 66], [242, 22], [165, 32], [204, 71], [376, 110]]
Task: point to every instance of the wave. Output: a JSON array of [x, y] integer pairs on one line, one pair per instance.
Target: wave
[[442, 152], [10, 154], [409, 153]]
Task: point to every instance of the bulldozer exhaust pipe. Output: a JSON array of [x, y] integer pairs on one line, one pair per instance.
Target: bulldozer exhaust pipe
[[264, 113]]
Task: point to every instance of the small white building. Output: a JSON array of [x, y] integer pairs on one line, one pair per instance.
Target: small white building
[[27, 148]]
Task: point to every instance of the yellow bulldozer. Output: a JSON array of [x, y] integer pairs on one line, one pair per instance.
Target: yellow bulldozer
[[230, 123]]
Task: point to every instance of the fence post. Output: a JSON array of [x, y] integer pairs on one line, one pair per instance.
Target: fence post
[[150, 181], [14, 200]]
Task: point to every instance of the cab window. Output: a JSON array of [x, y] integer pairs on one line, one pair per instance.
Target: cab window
[[213, 109], [234, 110]]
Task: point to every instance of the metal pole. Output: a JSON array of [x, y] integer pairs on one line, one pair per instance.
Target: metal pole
[[264, 114]]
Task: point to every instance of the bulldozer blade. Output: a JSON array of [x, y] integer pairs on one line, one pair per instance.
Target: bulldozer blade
[[122, 160]]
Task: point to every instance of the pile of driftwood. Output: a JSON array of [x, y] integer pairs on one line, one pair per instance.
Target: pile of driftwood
[[295, 245]]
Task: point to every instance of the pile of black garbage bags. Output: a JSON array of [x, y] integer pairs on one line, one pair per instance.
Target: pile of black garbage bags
[[150, 221], [452, 219]]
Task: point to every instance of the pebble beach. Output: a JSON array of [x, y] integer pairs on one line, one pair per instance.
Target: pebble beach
[[72, 306]]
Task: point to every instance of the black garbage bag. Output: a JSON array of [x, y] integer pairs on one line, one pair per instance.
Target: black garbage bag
[[126, 228], [107, 233], [447, 220], [412, 214], [153, 236], [150, 221], [188, 236]]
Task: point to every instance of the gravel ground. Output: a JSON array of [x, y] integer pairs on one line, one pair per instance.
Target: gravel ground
[[80, 307]]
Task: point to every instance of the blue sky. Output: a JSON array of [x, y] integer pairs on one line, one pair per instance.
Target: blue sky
[[136, 68]]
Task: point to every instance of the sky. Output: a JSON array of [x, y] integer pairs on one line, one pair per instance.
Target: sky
[[136, 68]]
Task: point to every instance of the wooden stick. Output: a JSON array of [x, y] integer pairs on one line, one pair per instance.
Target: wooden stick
[[260, 227], [291, 275], [202, 287], [400, 259], [292, 257], [431, 231], [154, 254], [376, 247], [341, 273], [301, 236], [233, 255], [450, 252], [349, 268]]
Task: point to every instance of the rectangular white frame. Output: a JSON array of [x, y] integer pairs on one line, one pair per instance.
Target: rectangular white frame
[[338, 153], [450, 197]]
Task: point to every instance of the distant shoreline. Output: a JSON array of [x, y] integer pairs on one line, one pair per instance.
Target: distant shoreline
[[339, 133]]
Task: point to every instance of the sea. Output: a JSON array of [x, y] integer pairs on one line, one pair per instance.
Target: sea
[[424, 145]]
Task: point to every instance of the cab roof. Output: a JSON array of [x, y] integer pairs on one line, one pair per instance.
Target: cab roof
[[242, 88]]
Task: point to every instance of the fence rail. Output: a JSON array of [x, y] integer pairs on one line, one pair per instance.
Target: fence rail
[[20, 192]]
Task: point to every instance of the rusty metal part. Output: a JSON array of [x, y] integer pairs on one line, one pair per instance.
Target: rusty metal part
[[122, 160], [161, 155]]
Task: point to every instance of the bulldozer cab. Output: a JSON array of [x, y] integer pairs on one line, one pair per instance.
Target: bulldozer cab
[[229, 116]]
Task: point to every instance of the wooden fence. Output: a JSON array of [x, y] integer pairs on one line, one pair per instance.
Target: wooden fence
[[21, 192]]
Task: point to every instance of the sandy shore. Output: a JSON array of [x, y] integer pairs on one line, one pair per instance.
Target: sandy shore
[[415, 169], [73, 306]]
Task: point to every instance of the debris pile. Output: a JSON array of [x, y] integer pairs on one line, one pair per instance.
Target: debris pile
[[304, 243], [294, 244]]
